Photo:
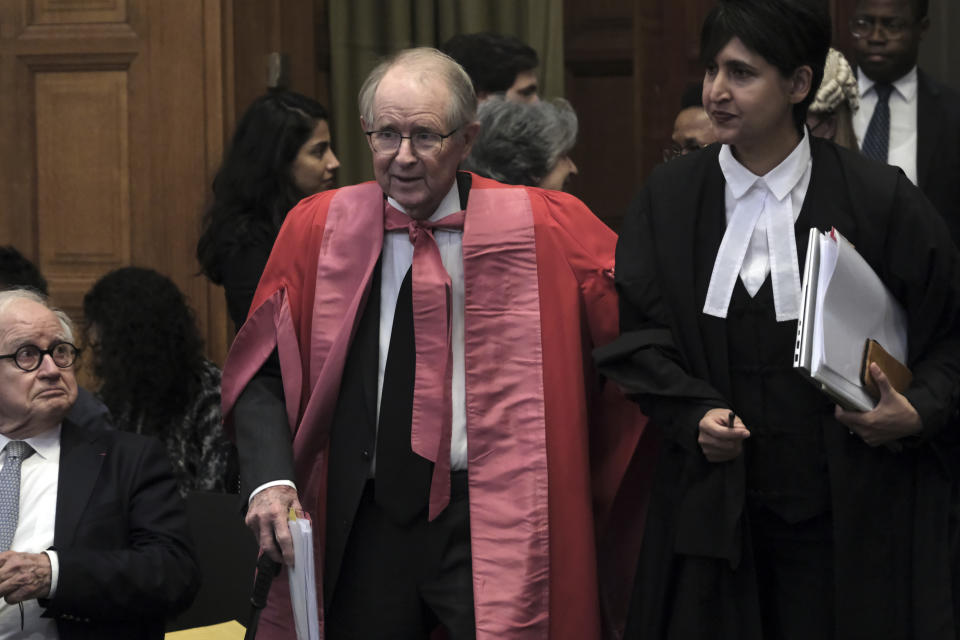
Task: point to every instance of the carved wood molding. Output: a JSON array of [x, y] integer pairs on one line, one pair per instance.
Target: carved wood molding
[[73, 12], [82, 34], [119, 61]]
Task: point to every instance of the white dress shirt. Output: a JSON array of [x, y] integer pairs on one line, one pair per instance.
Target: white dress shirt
[[759, 238], [902, 149], [396, 259], [39, 475]]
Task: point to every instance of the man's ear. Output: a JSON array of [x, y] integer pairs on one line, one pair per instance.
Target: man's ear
[[800, 84], [470, 133], [364, 128]]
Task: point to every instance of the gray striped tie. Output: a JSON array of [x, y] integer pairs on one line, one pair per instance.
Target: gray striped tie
[[876, 142], [17, 450]]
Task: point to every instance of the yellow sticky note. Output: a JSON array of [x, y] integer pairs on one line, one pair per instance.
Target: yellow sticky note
[[232, 630]]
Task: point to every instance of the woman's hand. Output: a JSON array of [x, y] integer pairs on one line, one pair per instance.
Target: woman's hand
[[719, 440], [893, 417]]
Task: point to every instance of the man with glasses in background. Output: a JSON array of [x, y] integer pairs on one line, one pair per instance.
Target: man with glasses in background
[[93, 534], [415, 375], [692, 129], [906, 118]]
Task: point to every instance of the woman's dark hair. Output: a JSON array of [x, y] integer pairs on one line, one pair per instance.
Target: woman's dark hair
[[492, 60], [17, 271], [254, 189], [147, 351], [787, 33]]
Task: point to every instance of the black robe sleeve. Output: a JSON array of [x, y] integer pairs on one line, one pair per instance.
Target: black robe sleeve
[[645, 360]]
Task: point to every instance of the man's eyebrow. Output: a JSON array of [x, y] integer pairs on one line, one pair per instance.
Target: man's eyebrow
[[528, 90]]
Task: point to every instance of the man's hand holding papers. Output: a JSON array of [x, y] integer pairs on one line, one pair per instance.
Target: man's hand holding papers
[[267, 518]]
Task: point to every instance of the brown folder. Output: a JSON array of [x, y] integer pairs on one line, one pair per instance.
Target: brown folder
[[897, 373]]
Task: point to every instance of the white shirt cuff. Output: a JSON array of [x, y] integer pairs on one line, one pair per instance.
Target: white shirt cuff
[[267, 485], [54, 571]]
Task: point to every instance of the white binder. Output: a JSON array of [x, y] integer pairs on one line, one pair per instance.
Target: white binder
[[843, 304]]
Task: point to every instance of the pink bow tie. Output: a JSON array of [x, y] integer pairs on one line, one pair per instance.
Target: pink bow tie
[[431, 426]]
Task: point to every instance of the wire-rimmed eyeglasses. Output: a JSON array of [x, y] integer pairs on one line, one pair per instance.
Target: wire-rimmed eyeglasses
[[423, 143], [894, 28], [29, 356]]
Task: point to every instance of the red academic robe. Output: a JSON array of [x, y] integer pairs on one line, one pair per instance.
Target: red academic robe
[[547, 447]]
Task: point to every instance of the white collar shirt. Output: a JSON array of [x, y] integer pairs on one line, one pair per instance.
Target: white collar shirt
[[759, 237], [39, 475], [396, 260], [903, 101]]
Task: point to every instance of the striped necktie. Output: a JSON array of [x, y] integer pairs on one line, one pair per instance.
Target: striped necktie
[[876, 142]]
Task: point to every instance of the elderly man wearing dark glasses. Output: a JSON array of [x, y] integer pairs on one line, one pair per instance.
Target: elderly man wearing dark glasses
[[93, 535]]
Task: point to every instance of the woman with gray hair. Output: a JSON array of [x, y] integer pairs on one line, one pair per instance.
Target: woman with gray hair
[[525, 144]]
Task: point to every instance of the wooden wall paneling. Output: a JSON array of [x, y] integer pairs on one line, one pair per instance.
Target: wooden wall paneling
[[599, 65], [71, 12], [266, 26], [254, 36], [666, 59], [17, 224], [83, 178], [298, 42], [173, 147], [68, 94], [652, 64], [321, 20]]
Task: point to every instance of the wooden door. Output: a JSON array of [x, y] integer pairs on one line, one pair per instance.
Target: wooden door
[[111, 126]]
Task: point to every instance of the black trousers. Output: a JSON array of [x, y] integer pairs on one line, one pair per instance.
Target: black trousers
[[400, 582], [794, 564]]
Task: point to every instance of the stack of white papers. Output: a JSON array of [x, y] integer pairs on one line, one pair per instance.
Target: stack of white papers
[[844, 304], [303, 585]]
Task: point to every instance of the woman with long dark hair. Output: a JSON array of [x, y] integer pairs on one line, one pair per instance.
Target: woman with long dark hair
[[776, 514], [280, 153], [148, 359]]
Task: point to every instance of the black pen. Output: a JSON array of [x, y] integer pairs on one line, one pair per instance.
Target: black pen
[[730, 419]]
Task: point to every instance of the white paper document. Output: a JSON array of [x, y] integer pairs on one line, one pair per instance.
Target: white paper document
[[843, 304], [303, 584]]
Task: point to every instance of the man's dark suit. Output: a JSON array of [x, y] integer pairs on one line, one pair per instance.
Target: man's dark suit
[[126, 560], [938, 149]]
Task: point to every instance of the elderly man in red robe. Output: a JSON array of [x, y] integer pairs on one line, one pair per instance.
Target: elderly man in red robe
[[415, 376]]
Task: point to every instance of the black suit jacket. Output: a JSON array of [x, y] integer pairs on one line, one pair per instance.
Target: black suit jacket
[[938, 149], [126, 560]]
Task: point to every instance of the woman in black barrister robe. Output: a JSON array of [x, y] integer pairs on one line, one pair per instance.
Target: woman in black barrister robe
[[795, 519]]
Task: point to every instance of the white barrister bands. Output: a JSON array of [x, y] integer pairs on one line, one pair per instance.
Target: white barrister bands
[[759, 238]]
